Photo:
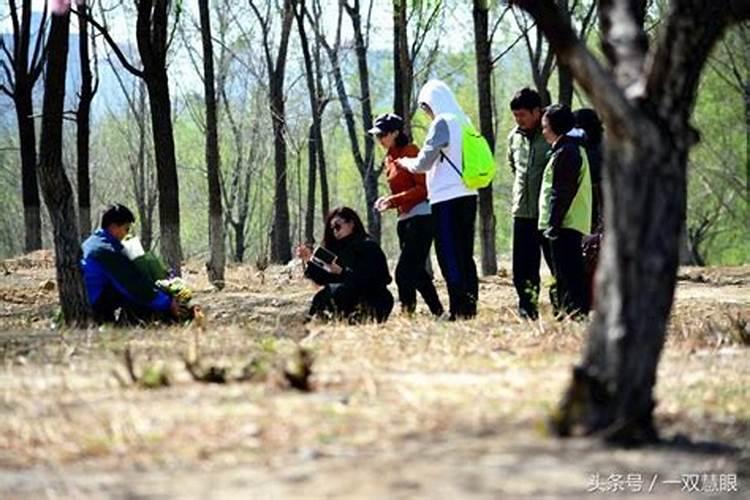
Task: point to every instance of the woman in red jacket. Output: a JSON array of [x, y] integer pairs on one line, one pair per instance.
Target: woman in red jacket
[[415, 230]]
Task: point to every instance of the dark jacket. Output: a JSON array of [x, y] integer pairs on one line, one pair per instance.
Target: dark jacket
[[364, 263], [105, 265], [565, 197]]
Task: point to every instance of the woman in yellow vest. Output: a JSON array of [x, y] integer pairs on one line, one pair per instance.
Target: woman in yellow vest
[[565, 209]]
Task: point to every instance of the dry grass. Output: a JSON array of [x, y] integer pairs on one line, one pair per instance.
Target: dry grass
[[376, 388]]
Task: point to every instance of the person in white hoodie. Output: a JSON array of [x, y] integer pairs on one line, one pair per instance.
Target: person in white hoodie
[[454, 206]]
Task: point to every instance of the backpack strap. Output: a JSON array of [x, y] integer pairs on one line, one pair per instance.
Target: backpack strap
[[443, 156]]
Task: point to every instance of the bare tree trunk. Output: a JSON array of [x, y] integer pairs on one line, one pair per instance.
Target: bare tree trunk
[[367, 169], [83, 116], [747, 141], [564, 76], [484, 92], [25, 73], [646, 108], [166, 170], [152, 36], [565, 86], [312, 167], [27, 140], [312, 147], [56, 189], [217, 260], [402, 67], [281, 245]]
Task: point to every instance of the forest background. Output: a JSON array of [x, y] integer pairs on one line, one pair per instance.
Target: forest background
[[440, 43]]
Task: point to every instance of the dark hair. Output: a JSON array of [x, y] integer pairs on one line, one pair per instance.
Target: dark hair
[[560, 118], [589, 122], [402, 139], [117, 214], [526, 98], [349, 215]]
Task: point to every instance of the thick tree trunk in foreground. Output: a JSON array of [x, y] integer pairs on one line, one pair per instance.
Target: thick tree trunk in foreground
[[56, 189], [217, 258], [646, 108], [484, 91]]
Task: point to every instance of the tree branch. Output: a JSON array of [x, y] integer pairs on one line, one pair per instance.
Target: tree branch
[[606, 96], [110, 41]]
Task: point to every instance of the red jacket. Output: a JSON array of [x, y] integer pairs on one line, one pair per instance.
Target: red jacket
[[408, 189]]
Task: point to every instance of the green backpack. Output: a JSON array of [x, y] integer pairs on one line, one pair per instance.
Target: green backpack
[[478, 161]]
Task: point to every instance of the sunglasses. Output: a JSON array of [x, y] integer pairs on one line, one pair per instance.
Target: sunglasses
[[336, 227]]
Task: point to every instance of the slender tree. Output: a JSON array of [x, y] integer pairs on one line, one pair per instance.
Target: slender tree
[[216, 262], [56, 188], [154, 38], [645, 97], [281, 246], [86, 94], [22, 66], [483, 49]]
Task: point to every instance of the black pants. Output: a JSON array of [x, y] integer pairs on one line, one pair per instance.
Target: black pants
[[454, 244], [528, 248], [339, 301], [570, 278], [130, 313], [415, 239]]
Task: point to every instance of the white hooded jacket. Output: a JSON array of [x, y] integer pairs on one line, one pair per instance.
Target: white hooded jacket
[[444, 135]]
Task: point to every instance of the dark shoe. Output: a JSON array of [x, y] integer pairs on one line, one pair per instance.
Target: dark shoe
[[527, 314]]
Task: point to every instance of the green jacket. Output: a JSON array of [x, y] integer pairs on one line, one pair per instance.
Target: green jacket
[[527, 157], [565, 198]]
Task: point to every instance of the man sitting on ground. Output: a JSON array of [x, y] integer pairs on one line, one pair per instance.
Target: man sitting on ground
[[112, 280]]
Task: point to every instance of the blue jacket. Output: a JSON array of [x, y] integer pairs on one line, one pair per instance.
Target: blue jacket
[[104, 264]]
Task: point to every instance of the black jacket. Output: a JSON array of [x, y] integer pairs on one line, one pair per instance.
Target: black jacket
[[364, 263]]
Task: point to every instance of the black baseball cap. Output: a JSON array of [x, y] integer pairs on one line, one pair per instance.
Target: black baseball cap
[[386, 123]]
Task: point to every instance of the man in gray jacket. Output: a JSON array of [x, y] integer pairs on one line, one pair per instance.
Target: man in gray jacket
[[527, 157]]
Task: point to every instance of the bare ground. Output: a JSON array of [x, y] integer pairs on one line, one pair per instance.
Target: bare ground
[[414, 408]]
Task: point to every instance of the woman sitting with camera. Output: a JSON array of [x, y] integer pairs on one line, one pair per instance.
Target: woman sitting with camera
[[352, 269]]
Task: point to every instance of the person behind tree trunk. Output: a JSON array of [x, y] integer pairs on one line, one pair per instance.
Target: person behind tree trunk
[[355, 282], [565, 208], [592, 139], [415, 229], [527, 157], [454, 206], [114, 282]]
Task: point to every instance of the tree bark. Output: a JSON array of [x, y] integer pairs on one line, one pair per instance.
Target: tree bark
[[403, 72], [564, 77], [217, 259], [30, 188], [56, 189], [367, 169], [83, 116], [646, 108], [25, 74], [313, 132], [747, 142], [166, 170], [484, 92], [152, 37]]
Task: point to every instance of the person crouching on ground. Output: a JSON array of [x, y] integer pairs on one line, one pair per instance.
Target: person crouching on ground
[[454, 206], [565, 209], [415, 229], [355, 282], [112, 280]]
